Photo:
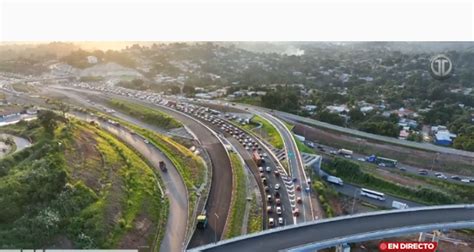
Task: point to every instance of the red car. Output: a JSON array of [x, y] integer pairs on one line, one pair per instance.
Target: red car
[[298, 200], [296, 212]]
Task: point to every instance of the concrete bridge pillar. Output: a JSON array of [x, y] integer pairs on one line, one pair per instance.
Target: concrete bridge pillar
[[343, 248], [436, 235]]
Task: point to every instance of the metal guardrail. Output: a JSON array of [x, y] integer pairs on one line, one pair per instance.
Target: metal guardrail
[[340, 218], [379, 235]]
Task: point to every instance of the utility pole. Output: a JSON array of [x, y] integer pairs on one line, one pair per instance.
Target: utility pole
[[435, 159], [354, 200]]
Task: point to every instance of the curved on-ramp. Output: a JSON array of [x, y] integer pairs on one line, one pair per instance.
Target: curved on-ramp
[[352, 228], [176, 227], [220, 195], [175, 190]]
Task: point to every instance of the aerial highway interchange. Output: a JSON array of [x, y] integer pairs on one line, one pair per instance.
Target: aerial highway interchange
[[287, 200]]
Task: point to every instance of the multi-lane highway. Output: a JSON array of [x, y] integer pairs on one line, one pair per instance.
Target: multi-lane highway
[[309, 133], [296, 166], [361, 227], [294, 163], [276, 185], [410, 144]]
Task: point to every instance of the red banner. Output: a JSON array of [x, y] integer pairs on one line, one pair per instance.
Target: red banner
[[408, 246]]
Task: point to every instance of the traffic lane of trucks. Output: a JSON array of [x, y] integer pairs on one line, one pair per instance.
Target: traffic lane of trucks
[[400, 167], [271, 179]]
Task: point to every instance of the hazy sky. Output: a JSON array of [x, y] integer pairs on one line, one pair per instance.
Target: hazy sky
[[236, 20]]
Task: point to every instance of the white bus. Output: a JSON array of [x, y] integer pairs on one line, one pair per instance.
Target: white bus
[[372, 194]]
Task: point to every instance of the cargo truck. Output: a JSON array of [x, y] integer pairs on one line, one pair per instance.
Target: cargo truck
[[335, 180], [345, 152], [256, 157]]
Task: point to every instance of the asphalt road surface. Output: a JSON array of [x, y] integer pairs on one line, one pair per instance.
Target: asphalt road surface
[[296, 167], [220, 195], [294, 161], [317, 231], [175, 190], [272, 180], [306, 131], [218, 202]]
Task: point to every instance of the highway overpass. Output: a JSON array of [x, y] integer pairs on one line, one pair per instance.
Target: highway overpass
[[327, 233]]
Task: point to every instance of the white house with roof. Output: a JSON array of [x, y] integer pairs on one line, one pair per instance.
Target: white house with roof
[[338, 108]]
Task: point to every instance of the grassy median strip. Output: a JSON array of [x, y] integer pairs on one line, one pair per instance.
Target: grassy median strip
[[273, 137], [239, 198], [145, 113], [266, 131], [302, 147], [255, 222]]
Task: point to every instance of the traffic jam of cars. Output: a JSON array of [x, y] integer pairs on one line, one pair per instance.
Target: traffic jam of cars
[[280, 200]]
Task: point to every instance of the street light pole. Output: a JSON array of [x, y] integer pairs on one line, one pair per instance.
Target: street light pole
[[215, 227]]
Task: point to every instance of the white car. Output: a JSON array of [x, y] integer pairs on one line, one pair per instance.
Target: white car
[[260, 169], [271, 222], [278, 210], [280, 221], [277, 186], [465, 180], [146, 141], [268, 169], [361, 159]]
